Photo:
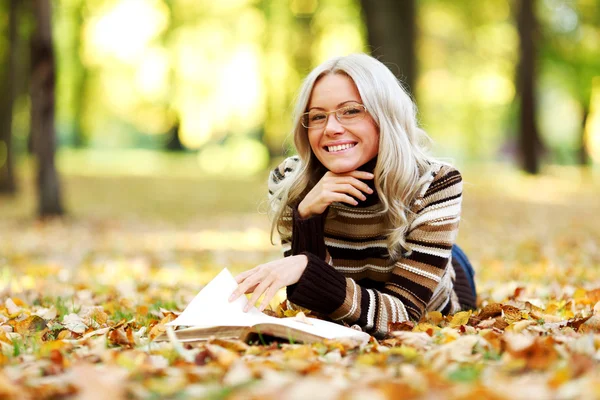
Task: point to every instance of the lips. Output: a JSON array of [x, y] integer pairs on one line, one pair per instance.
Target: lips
[[339, 147]]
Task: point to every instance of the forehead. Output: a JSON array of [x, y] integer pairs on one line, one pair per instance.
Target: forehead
[[333, 89]]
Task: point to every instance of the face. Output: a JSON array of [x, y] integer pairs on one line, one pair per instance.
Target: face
[[341, 148]]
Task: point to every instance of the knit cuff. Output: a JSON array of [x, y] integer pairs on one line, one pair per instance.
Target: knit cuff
[[307, 234], [321, 288]]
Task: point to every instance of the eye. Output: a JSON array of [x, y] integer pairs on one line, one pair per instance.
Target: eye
[[352, 110], [316, 117]]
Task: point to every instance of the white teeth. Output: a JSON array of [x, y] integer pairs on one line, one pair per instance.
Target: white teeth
[[340, 147]]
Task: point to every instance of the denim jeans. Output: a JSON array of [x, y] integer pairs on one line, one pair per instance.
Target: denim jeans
[[461, 257]]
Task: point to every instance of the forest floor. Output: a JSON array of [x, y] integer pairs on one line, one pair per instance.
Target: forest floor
[[83, 297]]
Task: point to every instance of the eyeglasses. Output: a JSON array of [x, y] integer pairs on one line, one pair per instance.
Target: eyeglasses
[[346, 115]]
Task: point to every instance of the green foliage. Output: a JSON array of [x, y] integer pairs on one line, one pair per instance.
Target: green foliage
[[465, 373]]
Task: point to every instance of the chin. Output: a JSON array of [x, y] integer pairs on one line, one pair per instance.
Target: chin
[[341, 167]]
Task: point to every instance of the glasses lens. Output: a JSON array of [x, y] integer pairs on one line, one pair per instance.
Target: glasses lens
[[351, 113], [314, 119]]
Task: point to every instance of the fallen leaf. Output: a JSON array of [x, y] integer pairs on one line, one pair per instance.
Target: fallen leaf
[[74, 323], [460, 318], [30, 325]]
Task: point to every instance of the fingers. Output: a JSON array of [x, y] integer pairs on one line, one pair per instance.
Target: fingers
[[343, 198], [352, 191], [271, 292], [240, 277], [260, 289], [245, 285], [357, 174], [351, 180]]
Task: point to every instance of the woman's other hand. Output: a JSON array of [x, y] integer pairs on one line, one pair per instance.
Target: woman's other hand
[[335, 187], [268, 279]]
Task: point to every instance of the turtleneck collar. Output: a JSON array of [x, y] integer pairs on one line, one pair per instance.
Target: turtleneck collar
[[369, 166], [372, 198]]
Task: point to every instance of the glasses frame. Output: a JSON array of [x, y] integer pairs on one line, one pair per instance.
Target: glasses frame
[[305, 116]]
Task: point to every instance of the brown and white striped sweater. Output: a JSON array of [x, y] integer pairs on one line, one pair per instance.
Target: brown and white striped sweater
[[350, 276]]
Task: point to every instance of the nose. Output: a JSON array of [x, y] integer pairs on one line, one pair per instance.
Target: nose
[[333, 126]]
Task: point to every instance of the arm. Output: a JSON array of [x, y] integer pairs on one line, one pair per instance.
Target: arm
[[308, 216], [307, 238], [417, 279]]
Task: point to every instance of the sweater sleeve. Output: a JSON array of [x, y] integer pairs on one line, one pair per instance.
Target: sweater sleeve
[[307, 235], [418, 278]]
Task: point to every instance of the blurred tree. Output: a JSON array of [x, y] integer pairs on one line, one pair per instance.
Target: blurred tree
[[530, 143], [8, 87], [391, 34], [43, 80], [570, 50], [173, 139], [80, 76]]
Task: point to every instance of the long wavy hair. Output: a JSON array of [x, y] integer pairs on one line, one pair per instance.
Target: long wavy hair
[[403, 164]]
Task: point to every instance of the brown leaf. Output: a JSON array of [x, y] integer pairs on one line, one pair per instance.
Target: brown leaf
[[203, 357], [490, 311], [538, 353], [161, 327], [576, 323], [30, 324], [223, 356], [120, 337], [401, 326], [591, 324], [511, 314]]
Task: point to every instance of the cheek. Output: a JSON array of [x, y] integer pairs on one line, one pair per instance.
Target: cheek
[[313, 140]]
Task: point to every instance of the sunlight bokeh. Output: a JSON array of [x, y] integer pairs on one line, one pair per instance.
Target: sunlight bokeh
[[195, 75], [592, 128], [118, 34]]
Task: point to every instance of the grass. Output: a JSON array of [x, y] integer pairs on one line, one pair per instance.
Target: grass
[[175, 192]]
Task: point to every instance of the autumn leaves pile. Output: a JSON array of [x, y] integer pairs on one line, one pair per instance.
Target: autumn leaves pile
[[79, 310]]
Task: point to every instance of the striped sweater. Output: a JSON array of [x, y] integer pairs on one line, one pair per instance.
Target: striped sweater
[[350, 276]]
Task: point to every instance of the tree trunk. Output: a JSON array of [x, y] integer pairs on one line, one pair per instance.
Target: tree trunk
[[584, 153], [529, 138], [391, 32], [43, 131], [7, 177]]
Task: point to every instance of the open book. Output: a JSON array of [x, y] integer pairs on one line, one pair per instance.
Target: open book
[[210, 314]]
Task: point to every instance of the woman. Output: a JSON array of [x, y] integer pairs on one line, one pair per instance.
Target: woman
[[368, 220]]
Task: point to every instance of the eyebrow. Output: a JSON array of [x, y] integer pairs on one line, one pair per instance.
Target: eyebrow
[[338, 106]]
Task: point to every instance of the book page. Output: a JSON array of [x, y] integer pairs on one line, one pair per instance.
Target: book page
[[325, 329], [211, 306]]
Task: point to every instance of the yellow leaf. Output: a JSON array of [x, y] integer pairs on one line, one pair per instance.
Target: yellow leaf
[[435, 317], [161, 328], [30, 325], [47, 347], [409, 353], [460, 318], [426, 327], [580, 294]]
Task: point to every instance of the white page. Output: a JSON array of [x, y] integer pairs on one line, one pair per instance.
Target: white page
[[211, 307], [326, 329]]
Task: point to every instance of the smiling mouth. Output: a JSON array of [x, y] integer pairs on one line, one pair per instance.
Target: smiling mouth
[[341, 147]]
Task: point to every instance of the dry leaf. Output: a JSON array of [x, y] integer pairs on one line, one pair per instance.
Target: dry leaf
[[74, 323], [460, 318], [30, 324]]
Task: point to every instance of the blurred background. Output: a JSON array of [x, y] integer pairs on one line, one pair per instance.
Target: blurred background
[[171, 112]]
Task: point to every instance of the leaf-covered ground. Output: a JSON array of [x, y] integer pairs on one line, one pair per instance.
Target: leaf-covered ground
[[82, 298]]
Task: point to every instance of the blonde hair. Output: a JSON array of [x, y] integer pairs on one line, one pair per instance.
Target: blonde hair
[[403, 164]]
